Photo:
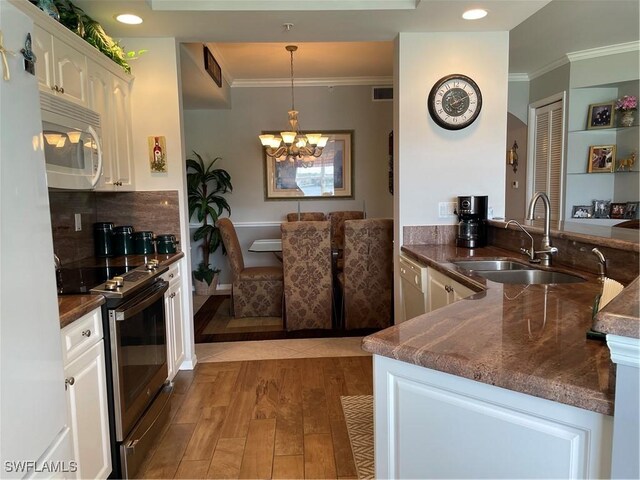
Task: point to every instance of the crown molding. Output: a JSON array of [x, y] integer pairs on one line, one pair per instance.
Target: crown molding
[[280, 5], [313, 82], [547, 68], [519, 77], [604, 51]]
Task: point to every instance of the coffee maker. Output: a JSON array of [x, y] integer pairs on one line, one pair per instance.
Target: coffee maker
[[472, 215]]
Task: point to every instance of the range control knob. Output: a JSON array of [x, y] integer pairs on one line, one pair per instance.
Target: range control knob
[[110, 285], [119, 281]]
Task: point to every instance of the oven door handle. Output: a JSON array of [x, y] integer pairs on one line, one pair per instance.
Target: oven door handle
[[155, 293]]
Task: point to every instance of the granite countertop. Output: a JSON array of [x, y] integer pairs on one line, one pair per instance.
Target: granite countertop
[[621, 316], [525, 338], [72, 307]]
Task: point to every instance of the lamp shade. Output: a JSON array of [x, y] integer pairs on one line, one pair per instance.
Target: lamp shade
[[266, 140], [288, 137], [313, 138], [323, 142]]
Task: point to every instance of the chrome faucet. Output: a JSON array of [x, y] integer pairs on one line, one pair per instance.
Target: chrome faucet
[[531, 252], [602, 264], [546, 249]]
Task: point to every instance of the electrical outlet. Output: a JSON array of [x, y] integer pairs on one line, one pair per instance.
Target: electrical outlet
[[78, 221], [445, 209], [514, 184]]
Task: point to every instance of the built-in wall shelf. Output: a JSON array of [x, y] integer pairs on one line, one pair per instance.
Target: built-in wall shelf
[[582, 187]]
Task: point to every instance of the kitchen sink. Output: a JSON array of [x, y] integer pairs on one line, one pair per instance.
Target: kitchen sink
[[490, 265], [528, 277]]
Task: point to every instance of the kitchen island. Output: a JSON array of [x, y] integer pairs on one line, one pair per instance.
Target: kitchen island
[[503, 383]]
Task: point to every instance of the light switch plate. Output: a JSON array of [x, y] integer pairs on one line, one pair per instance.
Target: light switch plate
[[445, 209]]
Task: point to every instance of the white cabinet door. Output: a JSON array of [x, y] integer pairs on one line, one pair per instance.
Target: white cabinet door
[[85, 380], [431, 424], [70, 72], [60, 68], [437, 290], [443, 290], [100, 101], [175, 326], [42, 44], [122, 136]]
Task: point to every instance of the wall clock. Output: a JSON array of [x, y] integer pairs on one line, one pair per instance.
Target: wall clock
[[454, 102]]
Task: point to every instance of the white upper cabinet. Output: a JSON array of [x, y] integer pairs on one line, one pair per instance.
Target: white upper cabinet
[[109, 96], [61, 69]]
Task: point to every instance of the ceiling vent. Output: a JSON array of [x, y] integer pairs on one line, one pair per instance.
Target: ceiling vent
[[382, 94]]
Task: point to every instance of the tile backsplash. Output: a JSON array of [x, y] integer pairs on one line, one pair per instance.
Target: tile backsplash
[[155, 211]]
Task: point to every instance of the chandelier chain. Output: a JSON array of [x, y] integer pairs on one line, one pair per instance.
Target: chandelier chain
[[293, 107]]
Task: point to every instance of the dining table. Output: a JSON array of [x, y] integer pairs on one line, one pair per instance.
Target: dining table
[[265, 245]]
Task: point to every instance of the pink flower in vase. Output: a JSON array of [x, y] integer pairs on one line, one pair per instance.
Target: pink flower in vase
[[626, 103]]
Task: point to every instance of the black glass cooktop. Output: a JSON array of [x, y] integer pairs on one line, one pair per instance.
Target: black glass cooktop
[[81, 280]]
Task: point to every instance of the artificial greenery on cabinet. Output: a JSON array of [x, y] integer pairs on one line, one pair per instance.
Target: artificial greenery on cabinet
[[76, 20]]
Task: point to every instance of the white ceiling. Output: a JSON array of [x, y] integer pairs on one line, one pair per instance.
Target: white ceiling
[[343, 38]]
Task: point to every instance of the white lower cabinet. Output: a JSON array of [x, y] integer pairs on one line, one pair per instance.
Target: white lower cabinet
[[430, 424], [442, 290], [86, 387], [174, 317]]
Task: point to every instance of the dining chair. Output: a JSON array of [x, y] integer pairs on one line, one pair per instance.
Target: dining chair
[[255, 291], [337, 225], [306, 259], [306, 217], [367, 278]]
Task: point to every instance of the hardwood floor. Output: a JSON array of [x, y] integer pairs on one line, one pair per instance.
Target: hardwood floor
[[261, 419]]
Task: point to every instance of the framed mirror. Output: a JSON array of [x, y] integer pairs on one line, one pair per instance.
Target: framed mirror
[[326, 176]]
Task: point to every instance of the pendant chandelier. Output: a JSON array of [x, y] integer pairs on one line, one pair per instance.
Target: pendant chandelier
[[294, 146]]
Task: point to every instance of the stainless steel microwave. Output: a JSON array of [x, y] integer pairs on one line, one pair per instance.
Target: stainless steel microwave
[[72, 144]]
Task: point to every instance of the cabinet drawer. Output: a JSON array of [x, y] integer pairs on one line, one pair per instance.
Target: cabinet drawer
[[81, 335], [173, 274]]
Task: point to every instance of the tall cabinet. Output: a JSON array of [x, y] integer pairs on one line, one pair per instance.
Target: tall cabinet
[[619, 186]]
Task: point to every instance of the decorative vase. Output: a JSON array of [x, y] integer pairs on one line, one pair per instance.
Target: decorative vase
[[48, 7], [203, 289], [628, 117]]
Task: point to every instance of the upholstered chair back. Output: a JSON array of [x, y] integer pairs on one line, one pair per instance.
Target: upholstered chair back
[[306, 217], [255, 291], [368, 273], [337, 225], [232, 246], [306, 257]]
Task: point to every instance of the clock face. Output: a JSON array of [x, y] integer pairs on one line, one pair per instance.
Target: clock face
[[454, 102]]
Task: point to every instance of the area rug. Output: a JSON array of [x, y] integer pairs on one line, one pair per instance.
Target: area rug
[[223, 322], [358, 413]]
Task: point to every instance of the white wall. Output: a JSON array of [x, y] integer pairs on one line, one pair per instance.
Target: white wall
[[156, 108], [437, 165]]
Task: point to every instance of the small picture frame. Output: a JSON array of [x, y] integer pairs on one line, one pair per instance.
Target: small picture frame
[[601, 208], [631, 210], [617, 210], [601, 115], [582, 211], [602, 159], [212, 67]]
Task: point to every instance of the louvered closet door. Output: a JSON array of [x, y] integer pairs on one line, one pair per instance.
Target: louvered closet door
[[547, 168]]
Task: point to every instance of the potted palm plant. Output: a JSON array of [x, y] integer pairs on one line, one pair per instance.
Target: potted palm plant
[[204, 185]]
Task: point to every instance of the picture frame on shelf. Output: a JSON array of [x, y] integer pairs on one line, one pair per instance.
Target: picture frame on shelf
[[601, 208], [602, 159], [601, 115], [631, 210], [617, 210], [582, 211]]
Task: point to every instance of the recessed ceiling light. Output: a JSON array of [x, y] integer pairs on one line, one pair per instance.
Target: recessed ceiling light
[[474, 14], [129, 19]]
